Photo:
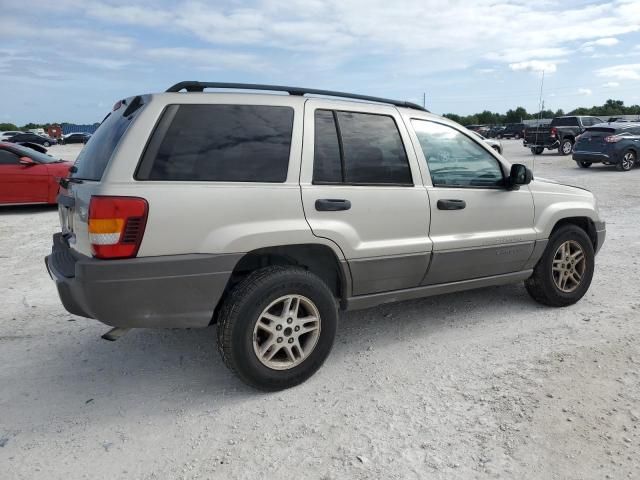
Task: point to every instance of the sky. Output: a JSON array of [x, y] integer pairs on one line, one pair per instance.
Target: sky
[[70, 60]]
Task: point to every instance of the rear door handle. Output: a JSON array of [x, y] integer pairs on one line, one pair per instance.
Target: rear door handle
[[332, 204], [451, 204]]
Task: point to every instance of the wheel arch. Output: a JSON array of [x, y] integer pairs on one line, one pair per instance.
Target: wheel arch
[[584, 223], [317, 258]]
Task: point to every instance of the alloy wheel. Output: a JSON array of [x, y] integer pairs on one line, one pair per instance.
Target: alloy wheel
[[628, 161], [286, 332], [569, 265]]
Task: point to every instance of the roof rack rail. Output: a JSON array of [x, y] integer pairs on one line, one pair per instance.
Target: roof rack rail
[[193, 86]]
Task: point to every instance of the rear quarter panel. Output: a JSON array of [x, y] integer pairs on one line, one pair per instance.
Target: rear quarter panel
[[212, 217]]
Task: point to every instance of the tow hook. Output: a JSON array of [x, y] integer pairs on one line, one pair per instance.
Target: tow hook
[[115, 333]]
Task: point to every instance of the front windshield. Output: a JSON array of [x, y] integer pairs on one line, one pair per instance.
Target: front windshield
[[33, 154]]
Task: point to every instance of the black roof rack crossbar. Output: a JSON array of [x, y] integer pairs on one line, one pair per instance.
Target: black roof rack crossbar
[[193, 86]]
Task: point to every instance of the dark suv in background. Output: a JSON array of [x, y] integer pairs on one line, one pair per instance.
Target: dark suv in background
[[609, 143], [512, 130]]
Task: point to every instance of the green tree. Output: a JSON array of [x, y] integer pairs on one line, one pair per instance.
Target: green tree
[[7, 126]]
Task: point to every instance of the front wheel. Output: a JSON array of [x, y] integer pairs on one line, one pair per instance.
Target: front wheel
[[46, 144], [277, 327], [537, 150], [627, 162], [563, 274], [584, 164]]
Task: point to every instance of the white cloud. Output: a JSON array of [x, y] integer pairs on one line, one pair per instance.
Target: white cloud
[[208, 59], [485, 71], [584, 91], [629, 71], [601, 42], [611, 85], [534, 66], [373, 28]]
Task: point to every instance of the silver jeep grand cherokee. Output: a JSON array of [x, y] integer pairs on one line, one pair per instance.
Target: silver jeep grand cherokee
[[267, 213]]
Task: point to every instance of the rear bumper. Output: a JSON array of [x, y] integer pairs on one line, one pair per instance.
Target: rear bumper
[[168, 291], [592, 157]]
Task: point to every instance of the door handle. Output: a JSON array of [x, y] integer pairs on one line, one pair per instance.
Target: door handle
[[332, 204], [451, 204]]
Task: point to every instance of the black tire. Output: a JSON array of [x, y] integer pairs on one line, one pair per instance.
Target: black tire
[[582, 164], [242, 309], [541, 285], [516, 136], [628, 161], [566, 147], [537, 150]]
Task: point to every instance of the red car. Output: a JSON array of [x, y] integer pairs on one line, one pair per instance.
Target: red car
[[29, 176]]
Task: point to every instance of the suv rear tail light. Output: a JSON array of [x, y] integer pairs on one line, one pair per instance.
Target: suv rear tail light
[[612, 139], [554, 132], [116, 226]]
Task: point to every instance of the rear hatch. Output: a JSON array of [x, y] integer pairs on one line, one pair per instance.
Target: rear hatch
[[538, 135], [592, 140], [86, 173]]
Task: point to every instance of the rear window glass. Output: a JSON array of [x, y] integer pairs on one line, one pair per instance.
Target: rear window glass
[[94, 157], [232, 143], [597, 130], [565, 122]]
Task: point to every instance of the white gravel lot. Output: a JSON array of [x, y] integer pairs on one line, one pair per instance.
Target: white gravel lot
[[483, 384]]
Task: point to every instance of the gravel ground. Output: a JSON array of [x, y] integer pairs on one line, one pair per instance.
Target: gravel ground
[[483, 384]]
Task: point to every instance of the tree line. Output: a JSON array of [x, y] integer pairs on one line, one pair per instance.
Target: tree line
[[611, 108]]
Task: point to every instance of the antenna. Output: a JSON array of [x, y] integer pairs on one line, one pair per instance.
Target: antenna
[[541, 108]]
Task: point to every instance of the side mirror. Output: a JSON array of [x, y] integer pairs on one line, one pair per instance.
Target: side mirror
[[519, 175], [27, 162]]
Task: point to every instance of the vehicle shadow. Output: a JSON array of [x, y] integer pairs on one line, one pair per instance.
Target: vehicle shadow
[[22, 209], [150, 369]]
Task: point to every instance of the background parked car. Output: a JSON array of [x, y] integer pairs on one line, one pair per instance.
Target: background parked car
[[616, 143], [512, 130], [495, 131], [560, 134], [4, 136], [75, 138], [32, 138], [29, 176], [495, 144]]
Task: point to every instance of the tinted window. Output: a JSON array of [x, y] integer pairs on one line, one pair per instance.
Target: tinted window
[[327, 164], [94, 157], [8, 158], [454, 159], [33, 154], [565, 122], [233, 143], [373, 150]]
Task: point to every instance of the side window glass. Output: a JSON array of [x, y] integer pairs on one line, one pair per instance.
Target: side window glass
[[225, 143], [373, 150], [327, 163], [8, 158], [455, 160]]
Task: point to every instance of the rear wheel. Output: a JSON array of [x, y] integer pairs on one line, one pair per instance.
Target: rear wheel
[[564, 273], [537, 150], [566, 146], [627, 162], [584, 164], [46, 144], [277, 327]]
